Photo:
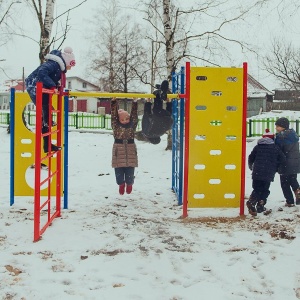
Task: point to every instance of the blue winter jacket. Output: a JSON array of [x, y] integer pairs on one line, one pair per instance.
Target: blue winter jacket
[[49, 73], [265, 159], [288, 142]]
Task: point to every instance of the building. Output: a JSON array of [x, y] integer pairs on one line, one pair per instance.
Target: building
[[257, 96], [82, 104], [73, 83]]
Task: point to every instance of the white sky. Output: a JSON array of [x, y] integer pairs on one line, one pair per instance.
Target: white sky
[[258, 31], [135, 247]]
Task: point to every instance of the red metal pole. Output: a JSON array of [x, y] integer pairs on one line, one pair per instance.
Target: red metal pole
[[37, 162], [186, 139], [244, 134]]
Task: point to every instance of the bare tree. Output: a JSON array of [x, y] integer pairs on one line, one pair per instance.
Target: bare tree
[[283, 62], [6, 20], [117, 50], [197, 33], [46, 25]]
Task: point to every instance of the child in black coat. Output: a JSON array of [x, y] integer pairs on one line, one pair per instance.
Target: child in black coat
[[156, 121], [288, 141], [264, 161]]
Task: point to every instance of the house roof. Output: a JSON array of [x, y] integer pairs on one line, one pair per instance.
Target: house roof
[[256, 89], [82, 80], [18, 84]]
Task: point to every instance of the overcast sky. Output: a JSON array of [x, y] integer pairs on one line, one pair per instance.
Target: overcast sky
[[259, 31]]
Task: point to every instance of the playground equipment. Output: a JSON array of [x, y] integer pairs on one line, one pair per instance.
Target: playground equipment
[[208, 155], [213, 159], [26, 154]]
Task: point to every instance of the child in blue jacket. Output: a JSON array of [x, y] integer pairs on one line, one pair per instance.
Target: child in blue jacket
[[288, 141], [52, 74]]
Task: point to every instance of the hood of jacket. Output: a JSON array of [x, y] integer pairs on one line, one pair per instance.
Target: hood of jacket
[[265, 141], [55, 55]]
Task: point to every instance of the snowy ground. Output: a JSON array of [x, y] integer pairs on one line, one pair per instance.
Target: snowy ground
[[107, 246]]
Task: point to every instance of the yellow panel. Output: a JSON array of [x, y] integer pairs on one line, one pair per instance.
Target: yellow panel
[[215, 147], [24, 149]]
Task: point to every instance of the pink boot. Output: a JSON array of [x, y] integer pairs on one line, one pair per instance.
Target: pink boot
[[128, 189], [122, 188]]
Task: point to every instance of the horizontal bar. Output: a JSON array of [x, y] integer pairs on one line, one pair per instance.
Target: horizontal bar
[[119, 95]]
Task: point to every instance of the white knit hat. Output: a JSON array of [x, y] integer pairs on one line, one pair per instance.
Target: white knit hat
[[69, 57]]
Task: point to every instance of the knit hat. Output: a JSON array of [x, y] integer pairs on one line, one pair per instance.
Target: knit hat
[[69, 57], [122, 113], [268, 134], [154, 140], [283, 122]]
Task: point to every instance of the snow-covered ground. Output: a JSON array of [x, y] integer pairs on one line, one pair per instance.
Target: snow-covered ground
[[107, 246]]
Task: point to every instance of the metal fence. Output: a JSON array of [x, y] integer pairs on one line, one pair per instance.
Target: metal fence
[[76, 120], [255, 127]]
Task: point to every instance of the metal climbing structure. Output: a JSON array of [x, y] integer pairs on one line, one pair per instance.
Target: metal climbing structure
[[45, 210]]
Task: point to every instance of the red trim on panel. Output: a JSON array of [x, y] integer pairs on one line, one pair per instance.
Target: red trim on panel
[[244, 134], [186, 138]]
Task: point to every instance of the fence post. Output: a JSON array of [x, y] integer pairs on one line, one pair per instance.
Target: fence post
[[76, 120], [7, 118], [28, 118], [250, 128], [104, 121], [297, 126]]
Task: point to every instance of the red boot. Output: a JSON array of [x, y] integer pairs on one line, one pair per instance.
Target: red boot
[[128, 189], [122, 188]]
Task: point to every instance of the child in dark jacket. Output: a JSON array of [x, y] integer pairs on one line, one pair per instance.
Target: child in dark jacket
[[52, 74], [264, 161], [124, 152], [156, 121], [288, 141]]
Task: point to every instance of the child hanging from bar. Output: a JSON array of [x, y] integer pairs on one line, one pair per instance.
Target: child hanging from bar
[[124, 152], [157, 121]]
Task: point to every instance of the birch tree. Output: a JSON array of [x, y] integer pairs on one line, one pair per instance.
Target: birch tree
[[198, 33], [46, 21]]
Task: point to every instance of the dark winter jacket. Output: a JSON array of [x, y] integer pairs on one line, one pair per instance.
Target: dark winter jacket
[[124, 154], [156, 125], [288, 142], [265, 159], [49, 73]]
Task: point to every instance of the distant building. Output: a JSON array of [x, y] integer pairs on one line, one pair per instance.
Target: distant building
[[82, 104], [286, 95], [73, 83], [286, 100], [17, 84], [257, 96]]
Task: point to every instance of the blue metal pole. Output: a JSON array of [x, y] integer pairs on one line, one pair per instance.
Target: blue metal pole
[[181, 138], [174, 127]]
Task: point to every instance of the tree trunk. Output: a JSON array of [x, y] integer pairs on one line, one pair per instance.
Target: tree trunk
[[169, 140], [46, 30]]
